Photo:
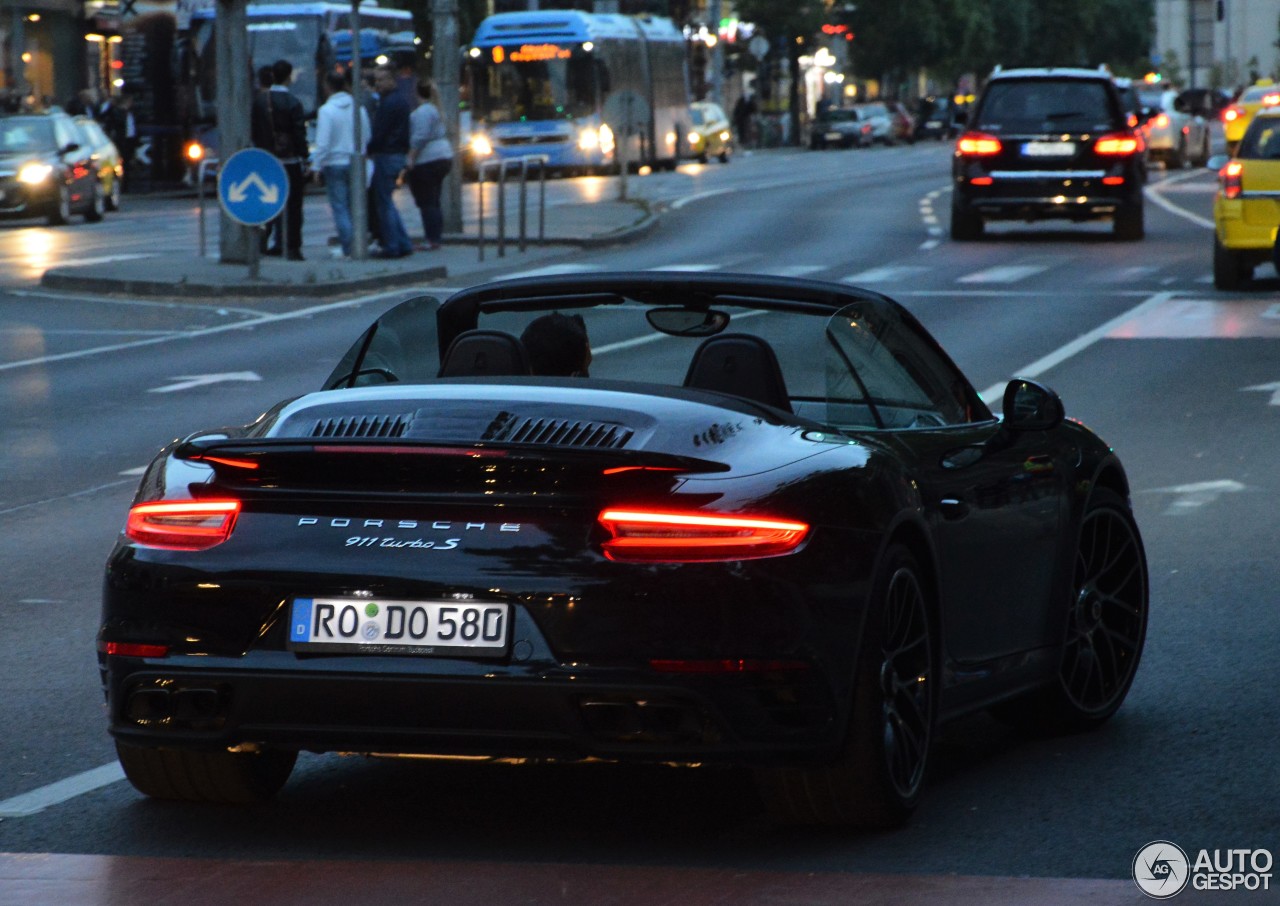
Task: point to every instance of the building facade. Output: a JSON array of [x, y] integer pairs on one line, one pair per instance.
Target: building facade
[[1217, 43]]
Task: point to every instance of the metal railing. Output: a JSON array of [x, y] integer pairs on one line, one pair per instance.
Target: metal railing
[[503, 167], [205, 165]]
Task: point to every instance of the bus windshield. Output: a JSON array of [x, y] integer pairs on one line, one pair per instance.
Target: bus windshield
[[554, 89]]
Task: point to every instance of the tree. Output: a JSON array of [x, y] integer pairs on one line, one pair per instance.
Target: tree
[[790, 24]]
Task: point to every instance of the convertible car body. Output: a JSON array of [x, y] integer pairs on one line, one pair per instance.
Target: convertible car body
[[775, 527]]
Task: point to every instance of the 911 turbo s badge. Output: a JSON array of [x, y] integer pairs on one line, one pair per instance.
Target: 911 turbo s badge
[[371, 526]]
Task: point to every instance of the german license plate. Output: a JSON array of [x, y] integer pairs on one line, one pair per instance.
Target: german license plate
[[1049, 149], [834, 136], [447, 628]]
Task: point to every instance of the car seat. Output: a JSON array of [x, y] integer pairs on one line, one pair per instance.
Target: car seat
[[739, 364]]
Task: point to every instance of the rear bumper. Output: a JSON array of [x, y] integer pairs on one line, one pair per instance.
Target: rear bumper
[[554, 713], [1237, 233], [1046, 196]]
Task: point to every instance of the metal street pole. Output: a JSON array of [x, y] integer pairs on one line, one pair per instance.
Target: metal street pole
[[359, 188], [717, 53], [235, 101], [445, 59]]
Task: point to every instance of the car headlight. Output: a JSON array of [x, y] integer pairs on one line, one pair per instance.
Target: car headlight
[[725, 136], [591, 139], [695, 138], [34, 174], [606, 139], [481, 146]]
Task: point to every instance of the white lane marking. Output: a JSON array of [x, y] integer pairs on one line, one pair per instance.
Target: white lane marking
[[1191, 497], [1155, 193], [552, 270], [793, 270], [930, 245], [1273, 388], [1139, 272], [210, 331], [138, 471], [1079, 344], [27, 804], [884, 274], [1005, 273], [698, 196], [189, 381]]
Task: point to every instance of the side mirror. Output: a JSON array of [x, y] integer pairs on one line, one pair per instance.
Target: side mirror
[[69, 147], [1029, 406], [1217, 162]]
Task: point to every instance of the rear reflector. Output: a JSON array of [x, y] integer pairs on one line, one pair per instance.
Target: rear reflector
[[642, 536], [182, 525], [134, 649], [1113, 180], [981, 181]]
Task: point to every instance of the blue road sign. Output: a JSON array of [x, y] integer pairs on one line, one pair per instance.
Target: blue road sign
[[252, 186]]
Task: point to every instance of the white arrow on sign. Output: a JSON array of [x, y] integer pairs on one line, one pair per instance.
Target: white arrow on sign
[[187, 381], [1193, 496], [239, 191], [1273, 388]]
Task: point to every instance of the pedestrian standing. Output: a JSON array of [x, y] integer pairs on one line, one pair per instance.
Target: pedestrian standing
[[335, 147], [388, 144], [429, 159], [262, 135], [121, 126], [287, 140]]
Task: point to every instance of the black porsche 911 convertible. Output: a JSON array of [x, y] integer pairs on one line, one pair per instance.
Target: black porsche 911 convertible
[[775, 527]]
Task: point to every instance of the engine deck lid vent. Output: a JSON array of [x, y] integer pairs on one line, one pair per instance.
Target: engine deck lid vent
[[362, 426]]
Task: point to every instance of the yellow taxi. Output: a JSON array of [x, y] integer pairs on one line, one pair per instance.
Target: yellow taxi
[[710, 134], [1237, 116], [1246, 209]]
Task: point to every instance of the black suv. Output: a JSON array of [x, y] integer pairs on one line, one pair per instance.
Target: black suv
[[1048, 144]]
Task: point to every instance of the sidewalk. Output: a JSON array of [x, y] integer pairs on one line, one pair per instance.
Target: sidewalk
[[320, 275]]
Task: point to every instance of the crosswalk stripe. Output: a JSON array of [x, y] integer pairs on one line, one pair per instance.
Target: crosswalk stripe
[[793, 270], [1009, 273], [885, 274]]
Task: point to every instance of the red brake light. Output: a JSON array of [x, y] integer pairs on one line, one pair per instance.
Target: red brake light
[[1116, 144], [1270, 100], [978, 144], [1230, 178], [182, 525], [133, 649], [1231, 114], [656, 537]]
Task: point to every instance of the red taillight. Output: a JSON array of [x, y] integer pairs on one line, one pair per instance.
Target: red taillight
[[1231, 114], [133, 649], [657, 537], [1270, 100], [978, 144], [1161, 121], [1113, 180], [981, 181], [183, 525], [1229, 176], [1117, 145]]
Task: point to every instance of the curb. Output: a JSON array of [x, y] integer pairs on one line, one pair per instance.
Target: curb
[[246, 290]]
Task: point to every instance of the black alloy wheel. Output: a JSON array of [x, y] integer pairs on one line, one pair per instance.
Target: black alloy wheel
[[1129, 222], [1228, 267], [966, 226], [97, 204], [113, 198], [877, 780]]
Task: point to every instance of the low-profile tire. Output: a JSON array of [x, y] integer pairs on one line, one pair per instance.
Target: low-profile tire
[[227, 778], [1106, 626], [1228, 267], [60, 213], [1205, 152], [1129, 225], [876, 781], [966, 226], [97, 204]]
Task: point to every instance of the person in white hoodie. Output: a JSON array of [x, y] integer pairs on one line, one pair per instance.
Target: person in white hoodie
[[335, 145]]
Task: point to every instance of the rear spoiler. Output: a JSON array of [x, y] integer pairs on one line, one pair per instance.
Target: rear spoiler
[[240, 456]]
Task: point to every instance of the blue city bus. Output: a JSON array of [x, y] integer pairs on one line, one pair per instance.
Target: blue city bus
[[539, 82]]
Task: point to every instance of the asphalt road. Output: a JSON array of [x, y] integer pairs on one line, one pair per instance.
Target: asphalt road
[[1179, 378]]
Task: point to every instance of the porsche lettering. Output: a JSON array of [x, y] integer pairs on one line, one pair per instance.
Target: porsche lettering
[[407, 524]]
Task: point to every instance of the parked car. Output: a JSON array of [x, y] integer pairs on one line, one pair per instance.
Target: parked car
[[710, 133], [904, 124], [876, 114], [1048, 144], [839, 127], [103, 151], [46, 169], [1246, 209]]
